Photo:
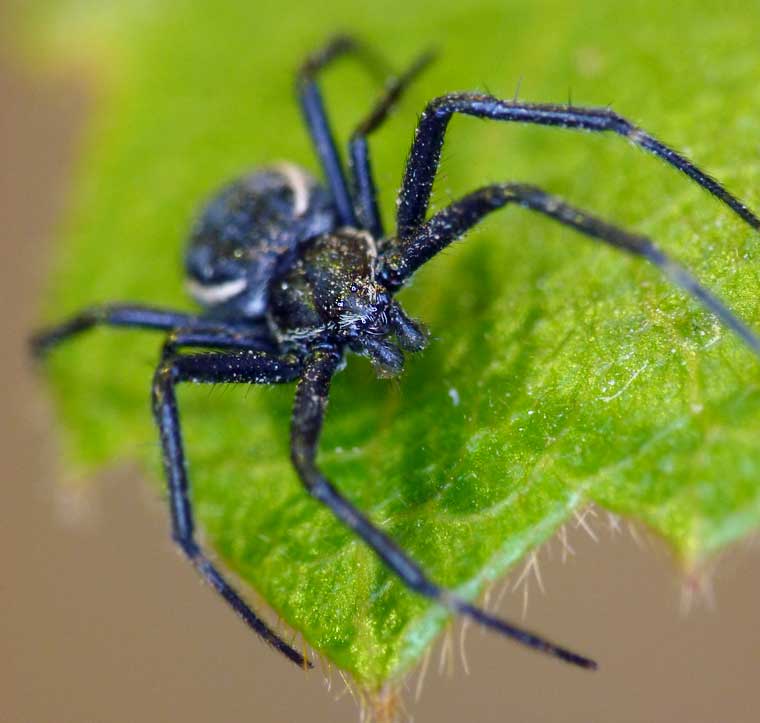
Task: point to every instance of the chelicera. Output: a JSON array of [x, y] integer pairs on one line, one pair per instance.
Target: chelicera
[[292, 274]]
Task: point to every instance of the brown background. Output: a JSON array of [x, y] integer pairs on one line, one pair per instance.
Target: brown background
[[101, 621]]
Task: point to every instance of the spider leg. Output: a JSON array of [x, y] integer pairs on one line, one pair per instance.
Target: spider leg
[[244, 338], [425, 153], [316, 116], [311, 400], [453, 221], [245, 367], [127, 315], [365, 192], [186, 329]]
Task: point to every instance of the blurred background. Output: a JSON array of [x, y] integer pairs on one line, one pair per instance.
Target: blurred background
[[78, 643]]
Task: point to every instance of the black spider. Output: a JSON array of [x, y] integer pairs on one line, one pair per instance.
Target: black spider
[[292, 275]]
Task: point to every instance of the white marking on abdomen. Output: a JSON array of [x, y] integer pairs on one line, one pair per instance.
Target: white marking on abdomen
[[210, 295], [300, 183]]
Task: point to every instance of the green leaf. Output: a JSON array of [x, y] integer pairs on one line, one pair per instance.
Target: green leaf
[[561, 373]]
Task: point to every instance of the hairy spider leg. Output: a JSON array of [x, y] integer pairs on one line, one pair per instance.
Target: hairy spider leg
[[185, 329], [308, 413], [126, 315], [318, 123], [364, 188], [253, 338], [456, 219], [359, 209], [425, 154], [210, 368]]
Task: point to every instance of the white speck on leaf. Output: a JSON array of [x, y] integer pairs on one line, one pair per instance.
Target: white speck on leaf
[[626, 385]]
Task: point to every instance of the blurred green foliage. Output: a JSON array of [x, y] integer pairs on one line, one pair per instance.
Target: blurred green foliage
[[561, 373]]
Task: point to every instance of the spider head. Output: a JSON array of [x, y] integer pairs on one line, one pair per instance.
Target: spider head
[[331, 291], [373, 339], [369, 319], [356, 306]]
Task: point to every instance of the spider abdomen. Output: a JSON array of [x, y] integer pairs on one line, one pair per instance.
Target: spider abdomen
[[251, 231]]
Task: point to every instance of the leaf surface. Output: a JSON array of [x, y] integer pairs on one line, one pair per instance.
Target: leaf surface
[[560, 373]]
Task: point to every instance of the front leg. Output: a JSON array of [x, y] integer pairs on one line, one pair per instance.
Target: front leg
[[246, 367], [308, 413], [403, 259], [425, 154]]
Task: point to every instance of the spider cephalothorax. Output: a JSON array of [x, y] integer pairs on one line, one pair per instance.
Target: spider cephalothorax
[[332, 292], [292, 274]]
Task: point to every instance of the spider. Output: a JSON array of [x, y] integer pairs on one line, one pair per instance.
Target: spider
[[292, 274]]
